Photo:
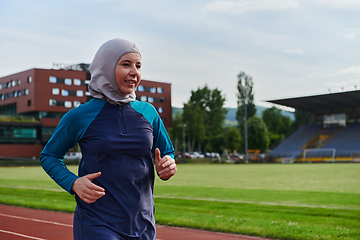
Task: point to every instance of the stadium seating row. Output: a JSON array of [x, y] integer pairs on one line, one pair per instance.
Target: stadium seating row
[[344, 140]]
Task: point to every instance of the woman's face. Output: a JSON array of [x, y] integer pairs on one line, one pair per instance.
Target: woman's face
[[128, 72]]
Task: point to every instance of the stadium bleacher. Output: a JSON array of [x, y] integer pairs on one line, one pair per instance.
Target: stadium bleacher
[[293, 144], [333, 130], [345, 141]]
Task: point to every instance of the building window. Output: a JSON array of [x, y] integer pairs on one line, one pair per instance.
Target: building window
[[153, 90], [47, 130], [80, 93], [52, 79], [20, 132], [29, 103], [143, 98], [26, 91], [13, 83], [64, 92], [60, 80], [9, 109], [55, 91], [29, 79], [52, 114], [42, 115], [160, 110], [140, 88], [77, 82], [77, 103], [159, 90], [161, 100], [14, 134], [52, 102], [67, 81], [150, 99], [68, 104]]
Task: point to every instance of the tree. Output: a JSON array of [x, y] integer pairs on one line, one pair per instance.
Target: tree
[[176, 132], [211, 104], [301, 118], [258, 134], [275, 121], [233, 139], [245, 97], [194, 118], [277, 124]]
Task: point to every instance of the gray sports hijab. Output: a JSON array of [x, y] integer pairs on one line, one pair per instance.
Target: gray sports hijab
[[103, 84]]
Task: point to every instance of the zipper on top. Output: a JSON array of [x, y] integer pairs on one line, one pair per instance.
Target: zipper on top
[[122, 128]]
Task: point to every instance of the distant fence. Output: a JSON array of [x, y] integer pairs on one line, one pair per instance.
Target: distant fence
[[314, 155]]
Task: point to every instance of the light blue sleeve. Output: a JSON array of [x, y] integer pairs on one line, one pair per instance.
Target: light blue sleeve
[[161, 137], [69, 131]]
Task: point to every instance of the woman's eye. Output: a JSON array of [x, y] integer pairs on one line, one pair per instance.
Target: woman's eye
[[138, 66]]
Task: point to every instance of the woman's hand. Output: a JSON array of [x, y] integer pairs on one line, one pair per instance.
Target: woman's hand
[[86, 190], [165, 167]]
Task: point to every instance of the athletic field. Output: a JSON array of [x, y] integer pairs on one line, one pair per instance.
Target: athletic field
[[282, 201]]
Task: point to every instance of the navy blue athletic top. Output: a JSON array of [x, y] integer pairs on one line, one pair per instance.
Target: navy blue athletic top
[[118, 141]]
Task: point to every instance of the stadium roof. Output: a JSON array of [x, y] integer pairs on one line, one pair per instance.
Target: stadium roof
[[326, 103]]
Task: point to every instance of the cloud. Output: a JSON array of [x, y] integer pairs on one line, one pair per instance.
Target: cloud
[[294, 51], [344, 80], [351, 33], [336, 4], [243, 6], [344, 85], [350, 70]]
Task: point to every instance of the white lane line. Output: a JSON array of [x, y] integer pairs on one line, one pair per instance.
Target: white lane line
[[263, 203], [21, 235], [35, 220], [35, 188]]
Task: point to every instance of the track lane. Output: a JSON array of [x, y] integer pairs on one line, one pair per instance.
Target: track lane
[[17, 223]]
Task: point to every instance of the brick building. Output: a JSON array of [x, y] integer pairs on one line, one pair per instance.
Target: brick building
[[45, 95]]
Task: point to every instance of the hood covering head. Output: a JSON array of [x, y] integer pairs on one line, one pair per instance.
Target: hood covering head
[[103, 84]]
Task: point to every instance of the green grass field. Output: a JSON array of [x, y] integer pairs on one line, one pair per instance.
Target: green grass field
[[282, 201]]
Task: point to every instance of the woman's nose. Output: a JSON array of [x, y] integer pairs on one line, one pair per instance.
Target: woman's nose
[[133, 71]]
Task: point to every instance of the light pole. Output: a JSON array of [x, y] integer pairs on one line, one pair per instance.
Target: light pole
[[246, 137], [246, 90]]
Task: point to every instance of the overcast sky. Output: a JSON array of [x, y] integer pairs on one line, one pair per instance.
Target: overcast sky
[[290, 48]]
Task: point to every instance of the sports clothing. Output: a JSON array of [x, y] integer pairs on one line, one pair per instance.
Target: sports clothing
[[118, 141]]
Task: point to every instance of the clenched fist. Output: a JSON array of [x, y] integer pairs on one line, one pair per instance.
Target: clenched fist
[[165, 167]]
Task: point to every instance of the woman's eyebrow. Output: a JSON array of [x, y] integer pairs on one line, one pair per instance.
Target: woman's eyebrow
[[125, 60]]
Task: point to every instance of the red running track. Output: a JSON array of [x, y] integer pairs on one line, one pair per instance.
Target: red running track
[[18, 223]]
